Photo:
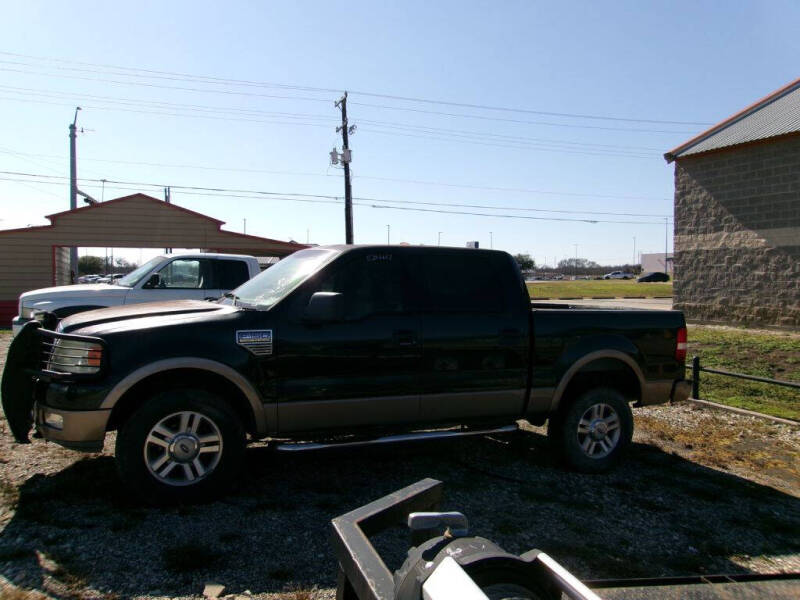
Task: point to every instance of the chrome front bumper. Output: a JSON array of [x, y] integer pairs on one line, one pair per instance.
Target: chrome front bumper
[[16, 324], [75, 429]]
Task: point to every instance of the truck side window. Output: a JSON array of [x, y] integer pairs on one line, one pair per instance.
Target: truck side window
[[371, 284], [461, 282], [231, 273], [186, 273]]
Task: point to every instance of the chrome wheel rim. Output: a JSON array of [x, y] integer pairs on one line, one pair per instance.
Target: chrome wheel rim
[[183, 448], [599, 430]]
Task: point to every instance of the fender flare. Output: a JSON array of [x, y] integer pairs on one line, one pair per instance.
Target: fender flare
[[585, 360], [189, 362]]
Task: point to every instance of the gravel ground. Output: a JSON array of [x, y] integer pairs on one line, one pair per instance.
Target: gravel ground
[[701, 491]]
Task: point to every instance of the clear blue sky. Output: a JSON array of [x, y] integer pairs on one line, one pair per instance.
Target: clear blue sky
[[692, 62]]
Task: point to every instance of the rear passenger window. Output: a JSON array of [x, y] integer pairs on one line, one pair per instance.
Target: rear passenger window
[[463, 282], [231, 273]]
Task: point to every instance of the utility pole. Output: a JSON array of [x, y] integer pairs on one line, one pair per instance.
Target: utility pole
[[439, 243], [168, 200], [634, 250], [73, 191], [348, 193], [388, 232], [666, 229], [491, 240]]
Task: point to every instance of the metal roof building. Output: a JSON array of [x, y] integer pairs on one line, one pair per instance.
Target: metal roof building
[[775, 115], [737, 216]]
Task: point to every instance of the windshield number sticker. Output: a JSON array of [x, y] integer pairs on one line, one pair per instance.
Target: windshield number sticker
[[257, 341]]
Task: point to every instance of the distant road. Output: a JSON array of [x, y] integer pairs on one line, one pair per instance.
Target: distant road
[[640, 303]]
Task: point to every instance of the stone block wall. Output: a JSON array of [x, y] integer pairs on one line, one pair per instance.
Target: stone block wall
[[737, 234]]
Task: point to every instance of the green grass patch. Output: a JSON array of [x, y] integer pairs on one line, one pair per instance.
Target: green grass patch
[[587, 289], [764, 354]]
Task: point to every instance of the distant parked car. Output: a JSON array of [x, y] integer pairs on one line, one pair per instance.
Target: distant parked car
[[618, 275], [110, 278], [653, 276], [88, 278]]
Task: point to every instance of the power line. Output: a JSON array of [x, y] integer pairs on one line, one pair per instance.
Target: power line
[[237, 111], [507, 189], [380, 106], [168, 114], [513, 146], [159, 103], [528, 111], [443, 137], [520, 121], [291, 196], [150, 73], [355, 175]]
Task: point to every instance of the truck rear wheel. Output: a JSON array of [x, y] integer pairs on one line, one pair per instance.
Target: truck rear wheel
[[593, 431], [180, 446]]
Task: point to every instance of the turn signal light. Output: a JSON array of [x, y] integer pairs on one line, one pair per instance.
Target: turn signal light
[[94, 356]]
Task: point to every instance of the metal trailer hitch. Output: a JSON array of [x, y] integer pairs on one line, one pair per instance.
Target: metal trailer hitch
[[445, 563]]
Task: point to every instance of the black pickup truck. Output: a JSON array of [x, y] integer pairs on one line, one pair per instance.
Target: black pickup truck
[[339, 344]]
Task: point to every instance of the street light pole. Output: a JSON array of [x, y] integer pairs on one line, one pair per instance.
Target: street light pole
[[576, 260], [439, 243], [388, 231], [491, 240]]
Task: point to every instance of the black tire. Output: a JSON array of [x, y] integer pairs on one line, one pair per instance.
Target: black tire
[[190, 423], [596, 445]]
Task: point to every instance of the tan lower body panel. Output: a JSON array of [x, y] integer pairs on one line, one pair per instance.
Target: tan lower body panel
[[493, 403], [323, 414], [656, 392]]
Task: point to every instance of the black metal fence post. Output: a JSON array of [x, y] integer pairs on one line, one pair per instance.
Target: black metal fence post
[[696, 377]]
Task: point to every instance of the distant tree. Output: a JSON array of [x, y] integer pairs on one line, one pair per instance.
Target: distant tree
[[90, 265], [525, 262], [577, 263], [123, 266]]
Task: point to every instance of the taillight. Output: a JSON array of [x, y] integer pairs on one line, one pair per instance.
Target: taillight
[[680, 345]]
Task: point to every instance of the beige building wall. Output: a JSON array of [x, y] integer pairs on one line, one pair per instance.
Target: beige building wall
[[30, 258]]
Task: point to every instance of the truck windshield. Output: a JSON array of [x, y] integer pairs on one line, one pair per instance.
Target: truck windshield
[[132, 278], [277, 282]]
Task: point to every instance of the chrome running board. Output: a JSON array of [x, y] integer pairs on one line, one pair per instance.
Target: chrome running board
[[391, 439]]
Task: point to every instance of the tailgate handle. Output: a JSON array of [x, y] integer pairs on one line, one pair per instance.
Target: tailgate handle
[[405, 337]]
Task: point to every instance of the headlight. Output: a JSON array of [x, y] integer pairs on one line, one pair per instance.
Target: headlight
[[74, 356]]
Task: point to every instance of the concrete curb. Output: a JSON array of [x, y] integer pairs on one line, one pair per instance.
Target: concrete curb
[[744, 411], [604, 297]]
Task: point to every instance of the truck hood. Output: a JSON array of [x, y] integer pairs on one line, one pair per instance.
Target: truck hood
[[113, 317], [79, 291]]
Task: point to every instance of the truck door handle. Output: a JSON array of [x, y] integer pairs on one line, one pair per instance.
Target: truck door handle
[[405, 337]]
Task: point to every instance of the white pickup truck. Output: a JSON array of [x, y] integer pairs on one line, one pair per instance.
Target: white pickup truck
[[171, 277]]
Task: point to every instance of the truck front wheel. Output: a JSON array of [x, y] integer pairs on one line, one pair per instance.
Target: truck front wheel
[[180, 446], [593, 431]]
